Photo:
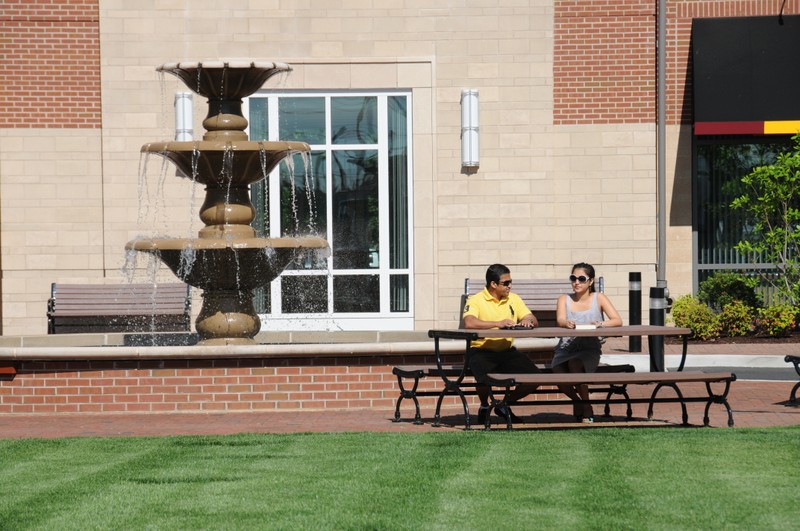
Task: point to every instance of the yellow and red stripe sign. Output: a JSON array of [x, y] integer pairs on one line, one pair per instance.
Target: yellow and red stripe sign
[[776, 127]]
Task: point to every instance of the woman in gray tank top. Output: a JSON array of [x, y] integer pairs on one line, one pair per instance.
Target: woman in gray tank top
[[582, 354]]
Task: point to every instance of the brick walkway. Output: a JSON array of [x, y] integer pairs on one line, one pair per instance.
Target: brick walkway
[[755, 403]]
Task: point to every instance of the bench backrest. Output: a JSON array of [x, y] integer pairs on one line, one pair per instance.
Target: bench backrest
[[74, 308], [540, 295]]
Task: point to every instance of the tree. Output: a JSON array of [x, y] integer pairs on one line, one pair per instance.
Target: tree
[[770, 201]]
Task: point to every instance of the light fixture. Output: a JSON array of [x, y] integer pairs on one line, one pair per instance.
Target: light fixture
[[184, 117], [470, 130]]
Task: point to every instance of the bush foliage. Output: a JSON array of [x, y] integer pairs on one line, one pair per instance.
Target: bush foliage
[[689, 312], [725, 287], [735, 320], [777, 320]]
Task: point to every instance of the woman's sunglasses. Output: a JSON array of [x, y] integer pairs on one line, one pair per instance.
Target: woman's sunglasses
[[581, 279]]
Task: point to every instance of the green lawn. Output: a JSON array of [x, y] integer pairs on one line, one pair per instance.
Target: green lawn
[[657, 478]]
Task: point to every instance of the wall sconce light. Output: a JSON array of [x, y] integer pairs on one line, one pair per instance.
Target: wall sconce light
[[184, 117], [470, 130]]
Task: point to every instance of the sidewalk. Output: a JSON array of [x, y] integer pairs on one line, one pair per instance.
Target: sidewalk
[[755, 403]]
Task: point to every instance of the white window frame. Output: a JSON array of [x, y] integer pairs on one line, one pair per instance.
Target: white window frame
[[384, 319]]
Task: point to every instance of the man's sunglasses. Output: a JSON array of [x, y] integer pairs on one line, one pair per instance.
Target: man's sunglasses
[[581, 279], [505, 283]]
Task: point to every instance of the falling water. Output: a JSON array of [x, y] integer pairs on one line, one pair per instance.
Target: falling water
[[160, 212], [187, 260], [265, 174], [193, 190], [226, 172], [128, 269], [289, 161], [144, 205], [199, 72], [163, 84], [311, 192]]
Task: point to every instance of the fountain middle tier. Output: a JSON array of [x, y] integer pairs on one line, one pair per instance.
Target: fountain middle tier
[[240, 264], [226, 162]]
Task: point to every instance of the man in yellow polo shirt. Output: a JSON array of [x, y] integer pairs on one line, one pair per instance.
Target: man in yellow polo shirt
[[497, 307]]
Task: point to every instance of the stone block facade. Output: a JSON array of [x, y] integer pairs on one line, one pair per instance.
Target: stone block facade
[[568, 133]]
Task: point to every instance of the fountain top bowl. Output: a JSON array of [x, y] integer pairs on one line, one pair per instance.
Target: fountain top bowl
[[224, 79]]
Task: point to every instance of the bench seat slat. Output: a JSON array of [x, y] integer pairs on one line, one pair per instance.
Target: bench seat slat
[[598, 378], [78, 312]]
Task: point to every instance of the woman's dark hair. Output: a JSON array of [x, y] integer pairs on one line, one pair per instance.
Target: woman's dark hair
[[589, 271], [494, 272]]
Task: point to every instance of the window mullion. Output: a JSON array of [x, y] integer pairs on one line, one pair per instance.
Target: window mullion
[[383, 204]]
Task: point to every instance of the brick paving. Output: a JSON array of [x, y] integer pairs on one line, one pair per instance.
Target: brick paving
[[755, 403]]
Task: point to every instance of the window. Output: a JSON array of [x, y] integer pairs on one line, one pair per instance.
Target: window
[[355, 190], [720, 163]]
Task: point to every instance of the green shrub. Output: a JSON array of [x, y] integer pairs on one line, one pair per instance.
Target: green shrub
[[689, 312], [724, 287], [736, 319], [777, 320]]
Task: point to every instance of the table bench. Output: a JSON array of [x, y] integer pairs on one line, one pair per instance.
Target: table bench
[[796, 361], [449, 372], [92, 308], [508, 382]]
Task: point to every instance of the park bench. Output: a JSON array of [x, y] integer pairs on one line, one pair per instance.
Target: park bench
[[93, 308], [539, 295], [796, 361], [450, 374], [506, 383]]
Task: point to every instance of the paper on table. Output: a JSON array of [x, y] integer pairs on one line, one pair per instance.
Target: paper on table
[[585, 327]]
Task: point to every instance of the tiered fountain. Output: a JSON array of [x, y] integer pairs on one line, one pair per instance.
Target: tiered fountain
[[227, 261]]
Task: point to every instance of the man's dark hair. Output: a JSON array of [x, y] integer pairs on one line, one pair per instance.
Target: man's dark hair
[[494, 272]]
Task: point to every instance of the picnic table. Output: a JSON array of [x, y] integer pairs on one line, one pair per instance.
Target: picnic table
[[454, 383]]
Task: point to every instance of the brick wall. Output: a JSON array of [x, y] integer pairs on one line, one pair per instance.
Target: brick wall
[[51, 63], [604, 62], [604, 56], [203, 385], [180, 385]]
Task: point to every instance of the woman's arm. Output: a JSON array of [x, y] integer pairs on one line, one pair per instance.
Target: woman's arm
[[561, 313], [611, 314]]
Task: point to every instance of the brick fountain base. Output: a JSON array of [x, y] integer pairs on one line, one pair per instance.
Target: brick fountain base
[[129, 379]]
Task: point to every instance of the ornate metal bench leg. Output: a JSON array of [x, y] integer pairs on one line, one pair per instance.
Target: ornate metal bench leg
[[795, 360], [408, 393], [718, 399], [629, 410], [437, 417], [494, 404], [607, 408], [451, 389], [618, 390], [685, 414]]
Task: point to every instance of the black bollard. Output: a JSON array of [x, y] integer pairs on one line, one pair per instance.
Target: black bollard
[[658, 305], [635, 309]]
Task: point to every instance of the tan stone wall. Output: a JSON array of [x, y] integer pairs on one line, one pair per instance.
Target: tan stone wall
[[543, 198], [52, 218]]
